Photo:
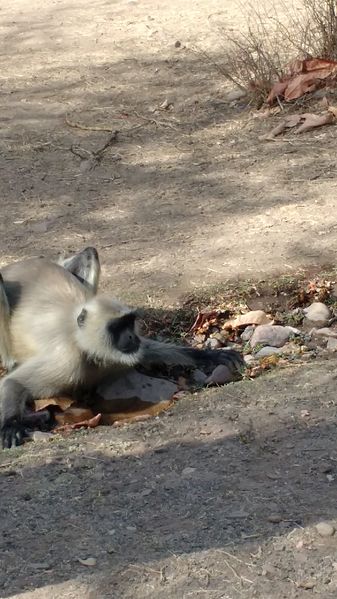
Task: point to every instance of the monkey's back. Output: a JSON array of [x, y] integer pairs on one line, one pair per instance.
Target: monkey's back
[[43, 297]]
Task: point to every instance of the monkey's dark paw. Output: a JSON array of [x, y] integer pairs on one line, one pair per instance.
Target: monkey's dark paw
[[12, 433]]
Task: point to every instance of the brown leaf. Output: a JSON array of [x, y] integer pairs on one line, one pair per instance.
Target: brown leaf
[[253, 317], [304, 76], [73, 415], [142, 413], [61, 402], [204, 318], [91, 423], [310, 121]]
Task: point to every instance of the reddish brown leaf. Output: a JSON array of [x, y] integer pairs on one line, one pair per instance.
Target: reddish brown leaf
[[142, 413], [304, 76], [204, 318], [91, 423], [73, 415]]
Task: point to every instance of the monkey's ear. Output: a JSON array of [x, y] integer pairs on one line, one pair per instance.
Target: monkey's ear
[[82, 317]]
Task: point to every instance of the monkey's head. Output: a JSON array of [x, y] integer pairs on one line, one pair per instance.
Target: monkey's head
[[106, 331]]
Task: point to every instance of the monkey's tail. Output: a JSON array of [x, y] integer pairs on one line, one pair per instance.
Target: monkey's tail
[[155, 352]]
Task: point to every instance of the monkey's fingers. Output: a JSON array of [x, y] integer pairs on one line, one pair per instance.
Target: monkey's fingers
[[12, 434]]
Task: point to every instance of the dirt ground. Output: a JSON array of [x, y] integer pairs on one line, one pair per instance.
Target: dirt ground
[[219, 497]]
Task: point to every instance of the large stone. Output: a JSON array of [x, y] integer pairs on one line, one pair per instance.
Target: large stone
[[135, 385], [267, 351], [317, 313], [274, 336], [221, 375]]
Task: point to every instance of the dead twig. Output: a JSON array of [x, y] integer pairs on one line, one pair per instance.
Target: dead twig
[[91, 159]]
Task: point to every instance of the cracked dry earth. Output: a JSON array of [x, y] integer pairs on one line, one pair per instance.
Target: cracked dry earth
[[220, 496]]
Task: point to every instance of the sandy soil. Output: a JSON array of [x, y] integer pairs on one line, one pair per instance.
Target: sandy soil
[[219, 497], [194, 198]]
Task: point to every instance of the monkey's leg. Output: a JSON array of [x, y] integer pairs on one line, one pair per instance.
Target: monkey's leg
[[6, 357], [156, 352], [85, 266]]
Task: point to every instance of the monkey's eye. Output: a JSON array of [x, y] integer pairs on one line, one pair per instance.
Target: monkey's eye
[[81, 318]]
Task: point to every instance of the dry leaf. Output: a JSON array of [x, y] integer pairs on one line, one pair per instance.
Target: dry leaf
[[143, 412], [304, 76], [204, 319], [61, 402], [73, 415], [92, 423], [310, 121], [253, 317]]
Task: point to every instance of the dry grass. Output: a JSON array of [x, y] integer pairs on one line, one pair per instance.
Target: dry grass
[[273, 37]]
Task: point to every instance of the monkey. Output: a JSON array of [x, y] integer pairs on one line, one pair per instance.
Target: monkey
[[85, 266], [65, 338]]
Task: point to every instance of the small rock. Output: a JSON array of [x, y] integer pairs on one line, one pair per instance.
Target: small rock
[[306, 584], [235, 94], [324, 332], [275, 518], [247, 333], [221, 375], [325, 529], [332, 344], [249, 359], [187, 471], [40, 436], [131, 528], [177, 44], [89, 562], [213, 343], [199, 377], [325, 467], [317, 313], [266, 351], [272, 335]]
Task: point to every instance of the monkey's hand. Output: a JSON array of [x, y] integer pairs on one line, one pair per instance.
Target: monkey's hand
[[13, 398]]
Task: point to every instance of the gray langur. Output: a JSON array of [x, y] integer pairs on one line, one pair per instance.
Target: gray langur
[[58, 336]]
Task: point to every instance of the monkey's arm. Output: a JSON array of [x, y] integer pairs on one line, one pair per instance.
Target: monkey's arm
[[155, 352], [85, 267], [38, 377], [6, 356]]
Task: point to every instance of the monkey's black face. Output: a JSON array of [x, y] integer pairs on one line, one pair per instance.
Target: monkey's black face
[[122, 334]]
